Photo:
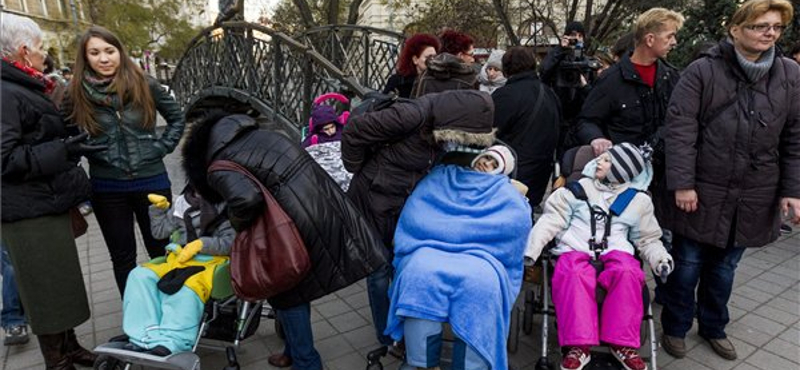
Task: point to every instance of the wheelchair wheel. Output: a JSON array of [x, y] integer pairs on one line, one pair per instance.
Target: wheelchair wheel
[[279, 330], [512, 343], [108, 363], [527, 315]]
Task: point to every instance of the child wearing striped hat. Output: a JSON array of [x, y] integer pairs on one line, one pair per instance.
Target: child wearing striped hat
[[580, 220]]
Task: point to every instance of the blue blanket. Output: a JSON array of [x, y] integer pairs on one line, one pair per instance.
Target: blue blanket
[[458, 257]]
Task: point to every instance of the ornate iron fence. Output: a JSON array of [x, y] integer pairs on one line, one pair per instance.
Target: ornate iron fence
[[367, 53], [252, 64]]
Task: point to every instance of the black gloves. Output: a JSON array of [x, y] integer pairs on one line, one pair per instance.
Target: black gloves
[[76, 145]]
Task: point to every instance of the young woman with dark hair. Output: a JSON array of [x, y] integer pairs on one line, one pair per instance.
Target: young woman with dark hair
[[116, 103]]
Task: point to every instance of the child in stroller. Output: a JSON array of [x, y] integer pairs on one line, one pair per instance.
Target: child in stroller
[[164, 302], [614, 216]]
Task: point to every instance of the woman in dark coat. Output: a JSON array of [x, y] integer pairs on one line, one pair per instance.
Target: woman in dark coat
[[342, 247], [527, 117], [732, 167], [41, 181]]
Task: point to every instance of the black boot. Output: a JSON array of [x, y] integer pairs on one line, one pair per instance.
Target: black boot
[[79, 355], [54, 350]]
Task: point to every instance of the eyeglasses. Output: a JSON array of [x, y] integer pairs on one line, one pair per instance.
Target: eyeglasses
[[763, 27]]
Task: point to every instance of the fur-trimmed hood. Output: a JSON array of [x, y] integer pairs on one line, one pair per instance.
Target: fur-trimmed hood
[[463, 116], [207, 137], [446, 66]]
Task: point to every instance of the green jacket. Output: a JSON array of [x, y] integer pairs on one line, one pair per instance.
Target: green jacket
[[133, 151]]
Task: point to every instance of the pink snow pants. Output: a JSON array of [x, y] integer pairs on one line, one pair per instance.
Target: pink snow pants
[[574, 288]]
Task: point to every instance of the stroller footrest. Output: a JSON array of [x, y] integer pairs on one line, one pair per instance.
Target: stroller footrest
[[177, 361]]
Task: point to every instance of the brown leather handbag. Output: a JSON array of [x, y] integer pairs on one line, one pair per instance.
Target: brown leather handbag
[[269, 257], [79, 224]]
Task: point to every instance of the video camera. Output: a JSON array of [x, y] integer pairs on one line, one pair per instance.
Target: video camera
[[571, 68]]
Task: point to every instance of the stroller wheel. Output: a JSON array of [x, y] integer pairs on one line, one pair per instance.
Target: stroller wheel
[[512, 343], [527, 317], [108, 363], [279, 330]]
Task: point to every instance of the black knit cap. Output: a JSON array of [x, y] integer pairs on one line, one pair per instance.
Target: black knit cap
[[574, 27], [627, 162]]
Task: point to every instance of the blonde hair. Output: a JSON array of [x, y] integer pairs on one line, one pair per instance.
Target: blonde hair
[[753, 9], [653, 21]]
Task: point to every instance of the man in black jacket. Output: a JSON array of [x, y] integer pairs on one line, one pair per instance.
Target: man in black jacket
[[628, 102], [527, 116]]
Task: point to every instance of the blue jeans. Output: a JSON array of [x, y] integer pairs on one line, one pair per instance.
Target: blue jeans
[[12, 314], [378, 292], [296, 323], [704, 268], [423, 340]]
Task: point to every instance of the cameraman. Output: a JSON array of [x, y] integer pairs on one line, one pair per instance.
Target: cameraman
[[569, 72]]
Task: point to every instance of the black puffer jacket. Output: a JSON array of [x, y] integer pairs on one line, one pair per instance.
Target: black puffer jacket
[[737, 144], [622, 108], [38, 178], [342, 247], [389, 151]]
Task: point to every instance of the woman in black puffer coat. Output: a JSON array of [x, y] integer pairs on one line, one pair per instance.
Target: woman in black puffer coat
[[342, 247], [41, 181]]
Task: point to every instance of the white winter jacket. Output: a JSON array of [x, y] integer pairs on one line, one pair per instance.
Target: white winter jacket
[[568, 220]]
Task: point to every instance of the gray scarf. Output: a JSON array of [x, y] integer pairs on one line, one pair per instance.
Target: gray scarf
[[758, 69]]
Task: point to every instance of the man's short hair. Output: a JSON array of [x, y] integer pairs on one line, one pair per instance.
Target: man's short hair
[[753, 9], [574, 27], [653, 21], [518, 59]]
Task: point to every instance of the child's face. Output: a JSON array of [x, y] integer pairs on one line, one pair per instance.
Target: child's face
[[603, 166], [329, 129], [493, 73], [486, 164]]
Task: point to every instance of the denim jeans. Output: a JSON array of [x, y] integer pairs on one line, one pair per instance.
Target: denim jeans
[[12, 314], [424, 347], [296, 323], [709, 271], [378, 292]]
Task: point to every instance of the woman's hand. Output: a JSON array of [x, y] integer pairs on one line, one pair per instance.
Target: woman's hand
[[686, 200]]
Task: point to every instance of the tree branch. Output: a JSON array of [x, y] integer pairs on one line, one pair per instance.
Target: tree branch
[[501, 13], [305, 13]]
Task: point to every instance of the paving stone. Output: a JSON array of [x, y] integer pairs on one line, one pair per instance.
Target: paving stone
[[779, 280], [333, 308], [784, 349], [766, 286], [745, 366], [754, 294], [357, 300], [784, 304], [742, 302], [347, 322], [747, 334], [762, 324], [363, 337], [350, 361], [323, 329], [777, 315], [768, 361], [791, 335], [333, 348], [685, 364]]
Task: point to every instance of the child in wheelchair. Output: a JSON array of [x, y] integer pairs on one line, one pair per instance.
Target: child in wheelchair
[[164, 301], [600, 219]]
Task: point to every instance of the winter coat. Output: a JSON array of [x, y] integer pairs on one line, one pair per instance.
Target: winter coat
[[569, 219], [390, 150], [445, 72], [533, 135], [622, 108], [342, 247], [38, 178], [737, 144], [134, 152], [401, 85]]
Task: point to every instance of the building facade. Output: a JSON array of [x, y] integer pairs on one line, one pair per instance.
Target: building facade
[[60, 20]]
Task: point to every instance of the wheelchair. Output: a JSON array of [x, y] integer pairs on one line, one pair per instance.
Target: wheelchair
[[225, 318]]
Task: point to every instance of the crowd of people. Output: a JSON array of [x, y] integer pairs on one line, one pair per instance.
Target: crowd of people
[[434, 198]]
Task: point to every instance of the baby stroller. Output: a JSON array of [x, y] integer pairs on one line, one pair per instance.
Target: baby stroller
[[537, 299], [225, 318]]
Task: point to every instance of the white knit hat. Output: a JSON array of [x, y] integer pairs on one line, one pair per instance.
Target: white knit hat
[[501, 154]]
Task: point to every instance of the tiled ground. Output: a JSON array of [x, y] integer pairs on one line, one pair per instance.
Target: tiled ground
[[765, 312]]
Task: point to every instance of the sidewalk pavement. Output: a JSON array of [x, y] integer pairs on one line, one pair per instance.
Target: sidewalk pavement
[[764, 308]]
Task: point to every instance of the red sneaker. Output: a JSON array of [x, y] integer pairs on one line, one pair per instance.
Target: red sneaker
[[576, 358], [629, 358]]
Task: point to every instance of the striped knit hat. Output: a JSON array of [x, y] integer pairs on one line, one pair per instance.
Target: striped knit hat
[[627, 162]]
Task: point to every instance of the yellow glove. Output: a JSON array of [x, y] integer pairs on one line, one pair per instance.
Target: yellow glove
[[189, 250], [159, 201]]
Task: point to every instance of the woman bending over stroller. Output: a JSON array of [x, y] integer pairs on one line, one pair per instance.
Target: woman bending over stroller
[[607, 180], [163, 302]]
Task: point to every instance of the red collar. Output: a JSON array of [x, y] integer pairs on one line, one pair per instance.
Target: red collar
[[49, 84]]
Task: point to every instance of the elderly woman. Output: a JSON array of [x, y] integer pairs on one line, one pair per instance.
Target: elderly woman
[[41, 182]]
